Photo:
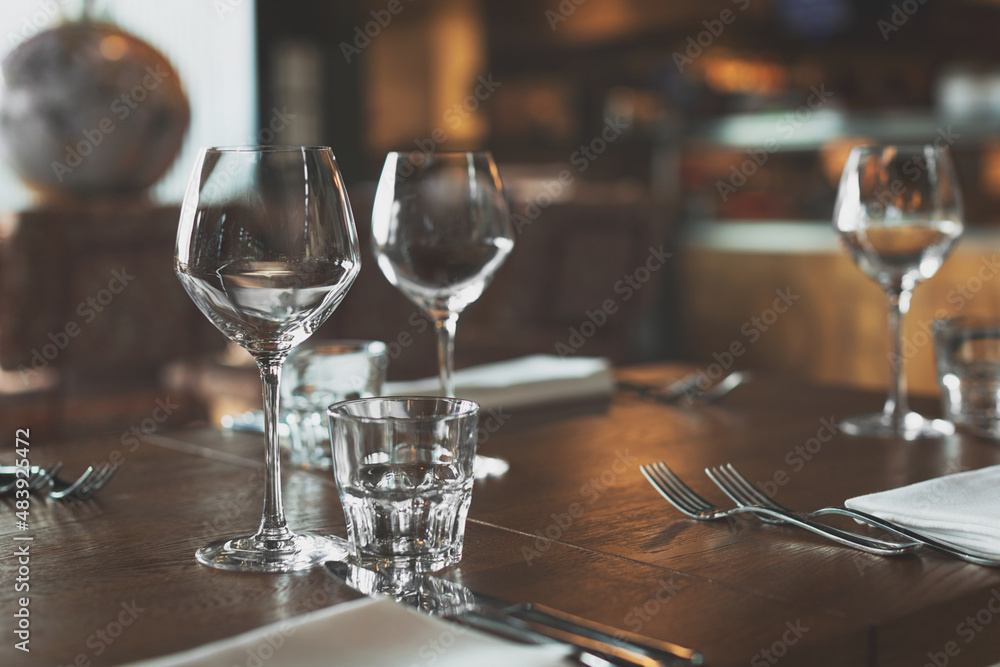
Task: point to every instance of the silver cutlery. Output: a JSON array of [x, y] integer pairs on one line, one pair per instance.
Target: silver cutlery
[[685, 389], [744, 494], [722, 387], [755, 496], [85, 485], [593, 643], [680, 495], [45, 480], [34, 479], [664, 393]]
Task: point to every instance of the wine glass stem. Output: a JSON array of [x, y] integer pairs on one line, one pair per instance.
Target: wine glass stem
[[895, 403], [272, 524], [445, 327]]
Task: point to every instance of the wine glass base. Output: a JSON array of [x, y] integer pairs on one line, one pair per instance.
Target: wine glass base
[[913, 426], [249, 553]]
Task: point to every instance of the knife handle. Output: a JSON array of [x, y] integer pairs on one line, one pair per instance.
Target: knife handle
[[665, 652], [613, 654]]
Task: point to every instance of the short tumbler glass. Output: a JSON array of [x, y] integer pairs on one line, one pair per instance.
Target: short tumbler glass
[[317, 375], [967, 354], [404, 469]]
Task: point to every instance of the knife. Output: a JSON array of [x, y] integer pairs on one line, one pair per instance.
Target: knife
[[723, 387], [685, 390], [525, 621], [667, 394]]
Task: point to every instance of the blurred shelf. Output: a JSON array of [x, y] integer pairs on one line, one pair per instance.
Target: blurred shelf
[[795, 237], [811, 130]]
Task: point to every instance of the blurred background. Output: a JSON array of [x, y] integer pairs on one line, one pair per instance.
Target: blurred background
[[709, 133]]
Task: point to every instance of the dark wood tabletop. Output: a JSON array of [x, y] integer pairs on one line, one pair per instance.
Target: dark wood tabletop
[[573, 525]]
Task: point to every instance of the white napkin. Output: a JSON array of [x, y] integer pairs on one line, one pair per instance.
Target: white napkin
[[963, 508], [374, 633], [535, 380]]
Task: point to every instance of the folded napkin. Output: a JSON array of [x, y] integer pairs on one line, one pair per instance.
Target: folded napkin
[[534, 380], [963, 508], [374, 633]]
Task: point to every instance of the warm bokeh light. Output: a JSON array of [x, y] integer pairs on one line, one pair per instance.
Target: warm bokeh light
[[730, 73], [113, 47]]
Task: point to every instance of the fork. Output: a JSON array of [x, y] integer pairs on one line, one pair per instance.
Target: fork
[[36, 478], [678, 494], [755, 497], [83, 486], [745, 494]]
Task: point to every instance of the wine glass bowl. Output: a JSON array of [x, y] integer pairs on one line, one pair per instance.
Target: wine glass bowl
[[898, 214], [267, 249], [441, 229]]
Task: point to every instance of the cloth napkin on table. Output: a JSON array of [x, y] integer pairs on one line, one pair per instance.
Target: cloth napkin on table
[[373, 633], [526, 381], [963, 508]]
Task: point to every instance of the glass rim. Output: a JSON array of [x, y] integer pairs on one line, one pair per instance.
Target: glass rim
[[264, 148], [468, 408], [433, 154]]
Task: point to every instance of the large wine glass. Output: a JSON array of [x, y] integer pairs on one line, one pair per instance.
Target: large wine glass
[[267, 249], [898, 213], [441, 229]]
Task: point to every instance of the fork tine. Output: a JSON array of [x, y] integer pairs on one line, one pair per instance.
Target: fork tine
[[653, 477], [751, 488], [741, 494], [58, 494], [743, 489], [45, 475], [30, 480], [746, 488], [96, 481], [89, 484], [676, 492], [99, 474], [670, 480], [662, 486], [732, 490], [696, 501]]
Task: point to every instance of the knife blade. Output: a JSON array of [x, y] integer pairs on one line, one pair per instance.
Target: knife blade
[[529, 622]]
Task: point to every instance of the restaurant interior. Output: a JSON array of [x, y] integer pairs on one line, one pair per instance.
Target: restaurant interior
[[672, 175], [723, 149]]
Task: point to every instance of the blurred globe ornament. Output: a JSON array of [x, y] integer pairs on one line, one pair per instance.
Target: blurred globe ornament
[[90, 110]]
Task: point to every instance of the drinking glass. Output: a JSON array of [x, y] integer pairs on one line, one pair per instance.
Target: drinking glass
[[898, 214], [317, 375], [267, 249], [404, 470], [967, 356], [441, 229]]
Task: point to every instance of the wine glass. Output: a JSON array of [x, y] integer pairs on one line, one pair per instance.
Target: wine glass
[[441, 229], [899, 214], [267, 249]]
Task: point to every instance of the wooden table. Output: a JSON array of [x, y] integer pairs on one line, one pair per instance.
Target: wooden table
[[572, 525]]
